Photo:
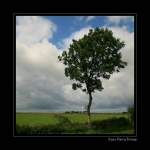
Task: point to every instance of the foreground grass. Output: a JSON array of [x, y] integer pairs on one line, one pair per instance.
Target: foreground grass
[[34, 119], [60, 123]]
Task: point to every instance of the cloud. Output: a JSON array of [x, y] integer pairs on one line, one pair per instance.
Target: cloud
[[69, 94], [85, 18], [40, 81], [75, 35], [89, 18], [38, 74], [32, 29], [117, 19]]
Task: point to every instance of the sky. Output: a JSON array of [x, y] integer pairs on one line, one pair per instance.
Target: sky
[[41, 85]]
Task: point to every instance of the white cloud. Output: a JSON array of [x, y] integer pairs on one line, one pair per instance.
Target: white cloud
[[38, 74], [89, 18], [85, 18], [75, 35], [32, 29], [128, 38], [117, 19]]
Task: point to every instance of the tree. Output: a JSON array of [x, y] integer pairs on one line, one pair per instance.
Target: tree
[[95, 56]]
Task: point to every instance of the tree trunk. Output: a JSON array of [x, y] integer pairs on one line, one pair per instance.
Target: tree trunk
[[88, 108]]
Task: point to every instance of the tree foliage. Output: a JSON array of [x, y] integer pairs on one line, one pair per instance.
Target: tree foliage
[[95, 56]]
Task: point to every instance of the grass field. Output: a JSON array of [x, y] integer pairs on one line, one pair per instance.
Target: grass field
[[61, 123]]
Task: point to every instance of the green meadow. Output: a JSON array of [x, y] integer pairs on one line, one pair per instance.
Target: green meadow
[[74, 123]]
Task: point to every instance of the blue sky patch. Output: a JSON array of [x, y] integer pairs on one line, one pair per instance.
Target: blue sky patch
[[66, 25]]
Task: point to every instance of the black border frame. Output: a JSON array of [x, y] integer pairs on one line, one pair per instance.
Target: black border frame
[[135, 136]]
